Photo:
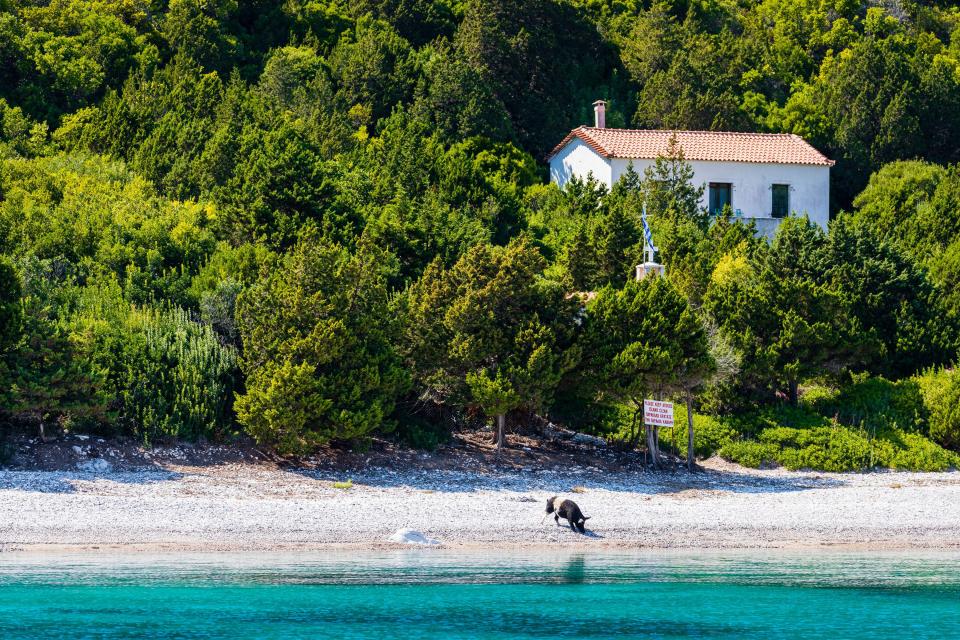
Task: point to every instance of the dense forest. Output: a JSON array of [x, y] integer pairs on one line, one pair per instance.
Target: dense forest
[[315, 221]]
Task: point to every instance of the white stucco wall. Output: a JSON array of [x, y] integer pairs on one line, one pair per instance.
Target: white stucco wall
[[751, 192], [578, 159]]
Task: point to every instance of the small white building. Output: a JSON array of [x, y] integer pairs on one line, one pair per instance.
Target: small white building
[[761, 176]]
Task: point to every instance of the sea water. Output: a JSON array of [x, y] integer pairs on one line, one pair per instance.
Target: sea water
[[490, 594]]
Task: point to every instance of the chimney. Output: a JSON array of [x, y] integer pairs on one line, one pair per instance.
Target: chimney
[[600, 114]]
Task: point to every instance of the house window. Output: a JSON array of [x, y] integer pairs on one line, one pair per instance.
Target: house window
[[781, 200], [719, 196]]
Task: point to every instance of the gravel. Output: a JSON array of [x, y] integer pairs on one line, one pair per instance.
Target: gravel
[[257, 506]]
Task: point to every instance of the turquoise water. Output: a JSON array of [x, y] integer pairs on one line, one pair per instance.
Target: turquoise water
[[431, 594]]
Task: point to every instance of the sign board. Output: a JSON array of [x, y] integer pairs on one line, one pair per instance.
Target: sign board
[[657, 413]]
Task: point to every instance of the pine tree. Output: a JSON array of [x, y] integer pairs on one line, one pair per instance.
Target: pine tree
[[490, 332], [642, 340]]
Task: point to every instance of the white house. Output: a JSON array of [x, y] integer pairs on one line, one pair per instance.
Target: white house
[[762, 176]]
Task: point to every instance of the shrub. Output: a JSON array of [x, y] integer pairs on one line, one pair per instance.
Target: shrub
[[872, 403], [419, 433], [51, 372], [88, 210], [941, 395], [167, 375], [825, 448], [781, 415], [710, 433], [184, 386], [749, 453], [917, 453], [839, 448]]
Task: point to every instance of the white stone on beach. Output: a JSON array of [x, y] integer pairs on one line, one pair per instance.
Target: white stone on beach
[[97, 465], [411, 536]]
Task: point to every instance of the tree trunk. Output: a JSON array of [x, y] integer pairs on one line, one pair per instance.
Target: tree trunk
[[646, 451], [652, 447], [636, 430], [689, 432], [794, 394], [501, 423], [43, 435]]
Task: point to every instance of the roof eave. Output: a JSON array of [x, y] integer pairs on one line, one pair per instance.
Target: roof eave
[[825, 163], [580, 134]]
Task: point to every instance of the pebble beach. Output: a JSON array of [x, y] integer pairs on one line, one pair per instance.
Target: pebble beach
[[246, 506]]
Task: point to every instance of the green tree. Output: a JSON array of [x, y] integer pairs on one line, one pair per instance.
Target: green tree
[[679, 222], [787, 326], [669, 191], [489, 332], [941, 395], [453, 98], [419, 21], [279, 185], [578, 261], [616, 243], [52, 376], [197, 31], [915, 205], [86, 210], [642, 340], [371, 66], [877, 101], [11, 313], [319, 357], [891, 297], [522, 51]]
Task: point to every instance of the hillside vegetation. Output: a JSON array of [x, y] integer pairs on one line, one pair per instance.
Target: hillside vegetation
[[316, 221]]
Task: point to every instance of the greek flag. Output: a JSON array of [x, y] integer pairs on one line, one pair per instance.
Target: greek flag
[[647, 234]]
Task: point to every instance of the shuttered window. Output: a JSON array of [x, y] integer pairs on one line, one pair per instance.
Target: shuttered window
[[781, 200], [719, 196]]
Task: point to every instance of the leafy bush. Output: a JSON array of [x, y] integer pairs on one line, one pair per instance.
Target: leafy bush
[[50, 372], [824, 448], [183, 387], [92, 212], [749, 453], [168, 376], [781, 415], [872, 403], [835, 447], [710, 433], [941, 394], [917, 453], [420, 432]]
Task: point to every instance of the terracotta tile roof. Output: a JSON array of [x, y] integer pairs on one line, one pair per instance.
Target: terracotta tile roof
[[723, 146]]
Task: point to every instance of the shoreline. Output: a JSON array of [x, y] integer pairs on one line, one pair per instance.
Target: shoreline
[[611, 546], [263, 508]]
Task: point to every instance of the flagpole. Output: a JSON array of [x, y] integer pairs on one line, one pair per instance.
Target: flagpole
[[647, 235]]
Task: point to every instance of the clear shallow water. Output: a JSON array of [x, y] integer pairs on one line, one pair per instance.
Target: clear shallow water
[[431, 594]]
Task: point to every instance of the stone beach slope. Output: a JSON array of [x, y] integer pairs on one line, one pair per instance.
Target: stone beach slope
[[261, 506]]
